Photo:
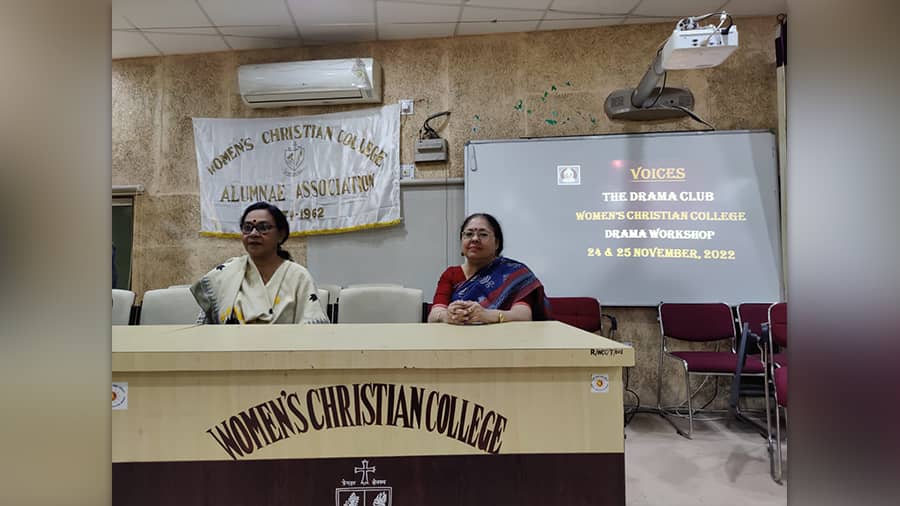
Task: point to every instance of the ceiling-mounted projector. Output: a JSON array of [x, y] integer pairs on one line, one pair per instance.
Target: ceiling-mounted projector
[[698, 49], [689, 47]]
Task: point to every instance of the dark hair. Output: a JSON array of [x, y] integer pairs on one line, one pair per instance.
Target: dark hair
[[494, 224], [281, 223]]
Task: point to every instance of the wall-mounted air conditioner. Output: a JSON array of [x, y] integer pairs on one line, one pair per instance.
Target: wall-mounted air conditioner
[[312, 82]]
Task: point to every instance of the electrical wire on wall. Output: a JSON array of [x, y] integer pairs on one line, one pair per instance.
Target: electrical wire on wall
[[427, 132]]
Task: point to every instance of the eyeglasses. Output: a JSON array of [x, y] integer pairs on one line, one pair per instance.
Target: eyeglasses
[[261, 227], [470, 234]]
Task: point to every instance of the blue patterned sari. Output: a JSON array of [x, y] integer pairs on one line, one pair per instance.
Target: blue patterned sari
[[503, 283]]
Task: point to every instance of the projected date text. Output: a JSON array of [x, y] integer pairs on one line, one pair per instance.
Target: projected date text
[[688, 253]]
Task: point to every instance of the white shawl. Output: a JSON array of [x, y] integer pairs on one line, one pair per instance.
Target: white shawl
[[234, 292]]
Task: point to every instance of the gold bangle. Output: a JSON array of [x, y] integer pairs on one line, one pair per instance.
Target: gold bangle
[[500, 318]]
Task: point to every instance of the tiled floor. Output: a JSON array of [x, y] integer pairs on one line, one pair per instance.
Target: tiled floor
[[724, 464]]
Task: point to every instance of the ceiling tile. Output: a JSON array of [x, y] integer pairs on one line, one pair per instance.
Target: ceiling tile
[[271, 32], [595, 6], [399, 12], [485, 14], [756, 7], [337, 33], [414, 31], [482, 28], [680, 9], [120, 22], [649, 20], [513, 4], [314, 12], [161, 13], [645, 20], [242, 12], [131, 45], [560, 21], [444, 2], [185, 41], [241, 43]]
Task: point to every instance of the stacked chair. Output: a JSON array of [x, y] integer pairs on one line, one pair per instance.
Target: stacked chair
[[772, 343], [777, 342], [700, 323]]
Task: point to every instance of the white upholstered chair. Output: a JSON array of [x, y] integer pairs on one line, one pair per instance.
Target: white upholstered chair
[[122, 300], [334, 292], [380, 304], [169, 306], [323, 299]]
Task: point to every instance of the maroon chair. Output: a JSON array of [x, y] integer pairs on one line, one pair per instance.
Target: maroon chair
[[777, 330], [581, 312], [705, 322], [754, 313], [777, 319]]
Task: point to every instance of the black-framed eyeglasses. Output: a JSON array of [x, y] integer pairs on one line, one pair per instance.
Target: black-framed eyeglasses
[[470, 234], [261, 227]]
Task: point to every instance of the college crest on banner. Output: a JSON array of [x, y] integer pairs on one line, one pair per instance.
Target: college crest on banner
[[329, 173]]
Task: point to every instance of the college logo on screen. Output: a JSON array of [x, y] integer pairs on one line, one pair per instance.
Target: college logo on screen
[[568, 175], [366, 491]]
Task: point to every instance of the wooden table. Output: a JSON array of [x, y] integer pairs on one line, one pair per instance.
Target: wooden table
[[365, 414]]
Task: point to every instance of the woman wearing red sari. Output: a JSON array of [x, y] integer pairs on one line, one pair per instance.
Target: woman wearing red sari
[[487, 287]]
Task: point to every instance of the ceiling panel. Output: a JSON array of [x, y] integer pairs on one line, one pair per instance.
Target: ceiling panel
[[559, 21], [251, 24], [756, 7], [261, 37], [131, 45], [484, 14], [242, 12], [313, 12], [414, 31], [273, 32], [161, 13], [481, 28], [595, 6], [242, 43], [681, 8], [118, 22], [514, 4], [647, 20], [337, 33], [399, 12], [443, 2], [184, 41]]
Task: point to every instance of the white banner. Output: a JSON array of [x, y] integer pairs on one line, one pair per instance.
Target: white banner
[[329, 173]]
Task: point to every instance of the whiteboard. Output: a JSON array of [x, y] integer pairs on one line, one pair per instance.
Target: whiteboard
[[637, 219], [413, 254]]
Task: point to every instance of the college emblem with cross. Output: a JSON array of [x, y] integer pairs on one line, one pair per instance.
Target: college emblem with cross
[[366, 491], [293, 159]]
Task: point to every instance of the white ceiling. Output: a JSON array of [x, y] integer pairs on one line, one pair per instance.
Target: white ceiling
[[164, 27]]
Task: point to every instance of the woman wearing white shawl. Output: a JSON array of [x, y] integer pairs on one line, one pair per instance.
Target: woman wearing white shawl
[[263, 286]]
